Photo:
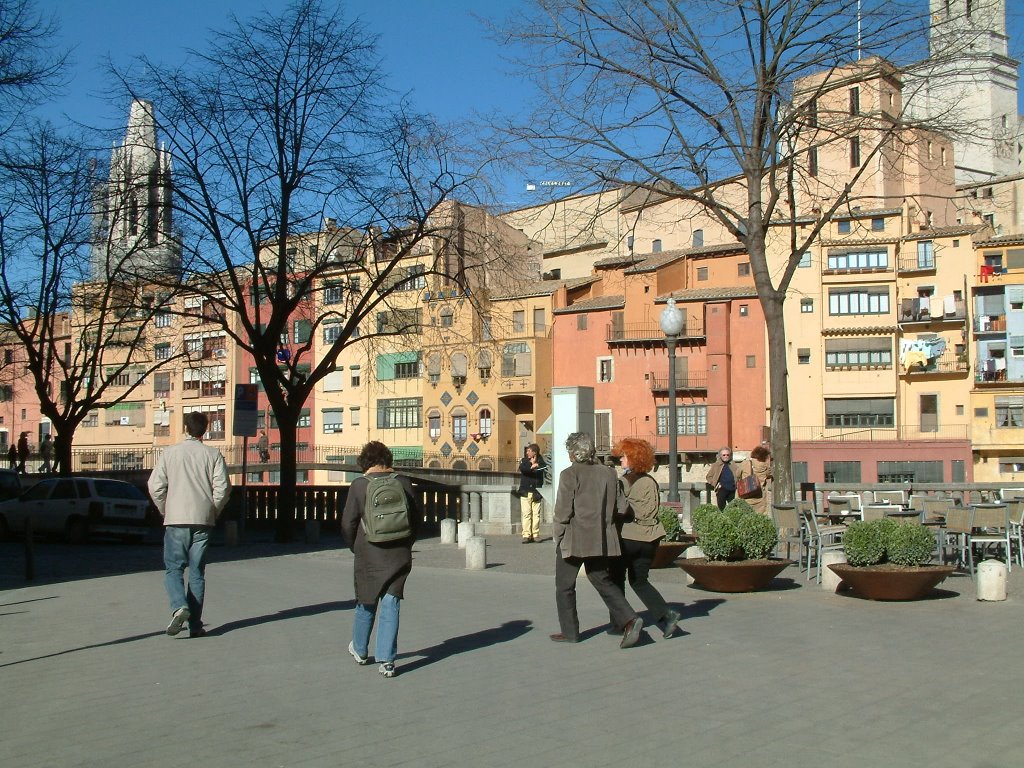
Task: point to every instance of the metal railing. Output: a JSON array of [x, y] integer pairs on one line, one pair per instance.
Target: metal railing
[[625, 332], [688, 380], [948, 362]]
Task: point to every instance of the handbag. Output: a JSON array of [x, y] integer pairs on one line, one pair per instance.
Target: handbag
[[748, 486]]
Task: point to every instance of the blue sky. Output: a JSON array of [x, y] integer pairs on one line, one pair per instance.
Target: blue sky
[[435, 50]]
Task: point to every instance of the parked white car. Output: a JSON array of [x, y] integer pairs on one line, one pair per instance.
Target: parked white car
[[78, 507]]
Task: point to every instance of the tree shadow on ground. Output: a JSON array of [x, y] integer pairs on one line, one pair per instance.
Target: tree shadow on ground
[[453, 646]]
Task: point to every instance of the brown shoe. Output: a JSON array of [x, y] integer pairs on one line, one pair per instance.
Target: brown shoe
[[560, 638], [631, 635]]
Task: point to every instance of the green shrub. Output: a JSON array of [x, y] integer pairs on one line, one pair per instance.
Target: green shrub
[[702, 511], [717, 536], [864, 543], [910, 544], [757, 535], [737, 508], [887, 525], [669, 519]]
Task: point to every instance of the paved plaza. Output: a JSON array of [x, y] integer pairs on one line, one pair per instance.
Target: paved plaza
[[789, 677]]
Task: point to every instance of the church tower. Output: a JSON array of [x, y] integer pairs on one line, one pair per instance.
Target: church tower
[[132, 231], [970, 78]]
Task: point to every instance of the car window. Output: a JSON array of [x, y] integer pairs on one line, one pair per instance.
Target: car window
[[83, 489], [112, 489], [64, 489], [38, 491]]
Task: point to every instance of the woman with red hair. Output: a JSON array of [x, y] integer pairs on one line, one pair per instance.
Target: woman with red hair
[[642, 531]]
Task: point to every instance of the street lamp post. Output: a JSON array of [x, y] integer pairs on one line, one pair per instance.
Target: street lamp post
[[672, 325]]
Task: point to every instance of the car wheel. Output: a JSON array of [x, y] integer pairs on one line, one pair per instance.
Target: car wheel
[[76, 530]]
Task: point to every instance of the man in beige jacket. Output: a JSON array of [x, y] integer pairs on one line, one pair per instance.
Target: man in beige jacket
[[190, 487]]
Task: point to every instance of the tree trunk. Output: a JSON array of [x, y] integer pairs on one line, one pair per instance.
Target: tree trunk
[[778, 386], [62, 455], [284, 529]]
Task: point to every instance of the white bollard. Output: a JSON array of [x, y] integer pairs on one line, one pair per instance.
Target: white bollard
[[476, 553], [830, 581], [992, 580], [692, 553], [465, 533], [448, 530]]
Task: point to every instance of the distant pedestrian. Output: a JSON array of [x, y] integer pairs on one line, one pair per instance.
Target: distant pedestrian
[[722, 477], [263, 448], [531, 503], [588, 502], [760, 465], [190, 488], [23, 452], [380, 569], [46, 454], [12, 456]]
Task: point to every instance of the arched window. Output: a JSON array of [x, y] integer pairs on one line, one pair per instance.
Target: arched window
[[460, 425], [485, 465], [483, 364], [434, 424], [434, 367], [486, 422], [459, 464], [447, 315], [460, 365]]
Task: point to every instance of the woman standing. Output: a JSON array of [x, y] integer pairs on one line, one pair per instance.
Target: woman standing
[[531, 471], [642, 531], [761, 466], [380, 569]]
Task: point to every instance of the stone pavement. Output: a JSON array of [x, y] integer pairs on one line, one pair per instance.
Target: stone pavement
[[788, 677]]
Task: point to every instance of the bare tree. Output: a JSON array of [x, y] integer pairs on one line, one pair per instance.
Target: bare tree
[[722, 103], [30, 65], [291, 166], [47, 196]]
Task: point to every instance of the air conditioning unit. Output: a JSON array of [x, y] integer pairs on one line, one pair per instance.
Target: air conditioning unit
[[220, 353], [125, 421]]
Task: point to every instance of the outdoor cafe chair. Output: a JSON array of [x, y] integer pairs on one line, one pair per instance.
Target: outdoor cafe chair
[[935, 508], [1016, 514], [839, 505], [889, 497], [875, 511], [991, 528], [1011, 494], [959, 525], [791, 531], [821, 538]]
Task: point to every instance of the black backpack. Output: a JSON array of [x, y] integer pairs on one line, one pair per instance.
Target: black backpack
[[386, 516]]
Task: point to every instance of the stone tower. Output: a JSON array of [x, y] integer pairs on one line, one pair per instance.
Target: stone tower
[[971, 78], [132, 232]]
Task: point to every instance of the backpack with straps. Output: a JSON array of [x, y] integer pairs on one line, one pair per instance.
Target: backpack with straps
[[386, 516]]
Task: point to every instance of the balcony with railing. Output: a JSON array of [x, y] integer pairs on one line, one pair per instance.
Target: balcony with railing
[[686, 381], [921, 311], [947, 363], [651, 333], [916, 263], [990, 324], [993, 371]]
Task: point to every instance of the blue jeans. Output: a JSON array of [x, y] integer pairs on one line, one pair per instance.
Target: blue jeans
[[387, 628], [185, 547]]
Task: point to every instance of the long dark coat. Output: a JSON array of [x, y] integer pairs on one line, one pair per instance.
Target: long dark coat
[[379, 568]]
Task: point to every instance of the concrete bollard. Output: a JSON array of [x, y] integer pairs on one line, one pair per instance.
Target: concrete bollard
[[476, 553], [312, 531], [465, 533], [231, 533], [830, 581], [692, 553], [448, 530], [992, 580]]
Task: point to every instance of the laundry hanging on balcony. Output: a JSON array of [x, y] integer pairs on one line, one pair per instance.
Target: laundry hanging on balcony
[[921, 352]]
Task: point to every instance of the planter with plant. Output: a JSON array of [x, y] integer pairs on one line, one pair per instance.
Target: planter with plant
[[888, 560], [676, 540], [737, 545]]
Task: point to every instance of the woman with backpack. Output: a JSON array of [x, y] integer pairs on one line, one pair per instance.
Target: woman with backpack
[[383, 552]]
